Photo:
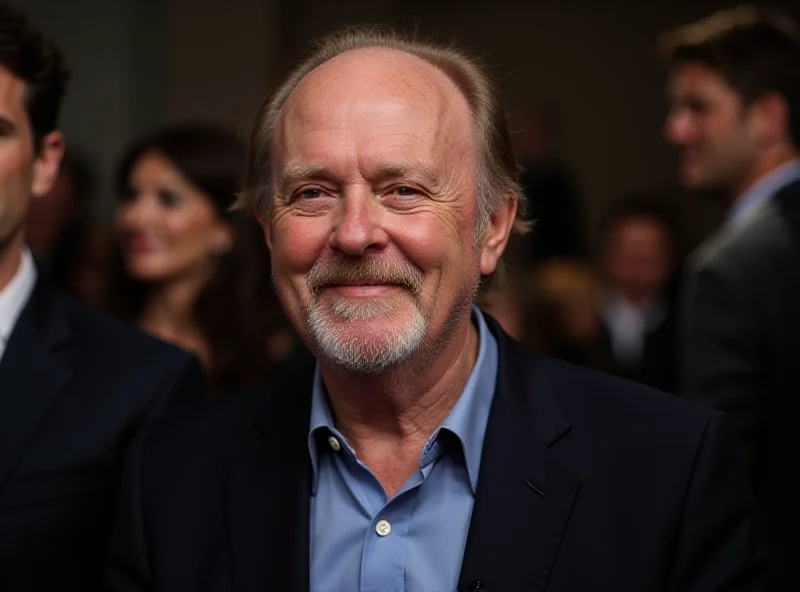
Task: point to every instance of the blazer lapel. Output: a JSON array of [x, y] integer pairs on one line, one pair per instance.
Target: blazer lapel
[[524, 495], [32, 372], [268, 493]]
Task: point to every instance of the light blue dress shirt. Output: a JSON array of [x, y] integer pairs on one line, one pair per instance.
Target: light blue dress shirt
[[361, 541], [752, 199]]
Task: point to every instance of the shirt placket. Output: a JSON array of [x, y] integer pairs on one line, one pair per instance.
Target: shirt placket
[[383, 557]]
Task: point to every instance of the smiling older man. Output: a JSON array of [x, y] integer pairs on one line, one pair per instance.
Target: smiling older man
[[423, 449]]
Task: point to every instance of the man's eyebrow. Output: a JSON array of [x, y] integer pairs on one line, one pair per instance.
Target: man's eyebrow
[[404, 171], [296, 173], [300, 172]]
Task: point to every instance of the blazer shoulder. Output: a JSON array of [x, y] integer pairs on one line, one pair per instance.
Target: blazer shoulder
[[590, 383], [537, 387], [759, 247], [602, 402]]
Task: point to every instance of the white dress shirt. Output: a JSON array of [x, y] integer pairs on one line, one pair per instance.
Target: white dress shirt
[[14, 297], [628, 326]]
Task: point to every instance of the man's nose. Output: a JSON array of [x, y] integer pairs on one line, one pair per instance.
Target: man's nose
[[358, 227], [678, 127]]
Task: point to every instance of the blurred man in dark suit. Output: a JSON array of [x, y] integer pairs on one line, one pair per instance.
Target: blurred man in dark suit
[[735, 119], [75, 387], [640, 255], [424, 449]]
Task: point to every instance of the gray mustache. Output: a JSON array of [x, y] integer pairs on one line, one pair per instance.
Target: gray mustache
[[341, 271]]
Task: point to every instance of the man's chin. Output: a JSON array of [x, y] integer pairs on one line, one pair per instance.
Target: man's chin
[[367, 347], [691, 178], [339, 308], [360, 338]]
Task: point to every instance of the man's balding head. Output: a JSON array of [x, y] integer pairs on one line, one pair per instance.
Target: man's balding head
[[496, 167], [384, 178]]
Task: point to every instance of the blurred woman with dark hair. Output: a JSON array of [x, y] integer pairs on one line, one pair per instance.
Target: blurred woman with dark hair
[[192, 272]]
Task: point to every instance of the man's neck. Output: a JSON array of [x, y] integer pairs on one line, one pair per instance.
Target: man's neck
[[763, 167], [388, 418], [10, 260]]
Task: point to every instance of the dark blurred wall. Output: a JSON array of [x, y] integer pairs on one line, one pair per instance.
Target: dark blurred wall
[[221, 57], [596, 62], [142, 62], [117, 78]]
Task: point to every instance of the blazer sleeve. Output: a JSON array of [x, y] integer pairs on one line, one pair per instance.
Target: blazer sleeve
[[722, 353], [127, 564], [720, 540]]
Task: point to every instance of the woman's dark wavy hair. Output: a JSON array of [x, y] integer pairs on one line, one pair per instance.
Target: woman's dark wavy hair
[[237, 311]]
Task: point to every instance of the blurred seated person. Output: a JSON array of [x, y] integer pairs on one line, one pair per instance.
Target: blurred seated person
[[640, 254], [86, 272], [553, 202], [562, 300], [59, 222], [193, 272], [67, 244]]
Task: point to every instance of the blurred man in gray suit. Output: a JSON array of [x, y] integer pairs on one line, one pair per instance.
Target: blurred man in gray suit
[[735, 119]]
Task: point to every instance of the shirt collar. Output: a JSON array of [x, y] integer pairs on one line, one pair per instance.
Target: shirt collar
[[15, 295], [752, 199], [466, 421]]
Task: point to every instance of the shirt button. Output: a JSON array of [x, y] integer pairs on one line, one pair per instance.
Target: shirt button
[[383, 528], [334, 443]]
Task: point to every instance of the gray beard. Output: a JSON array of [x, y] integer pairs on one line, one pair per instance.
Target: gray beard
[[328, 331]]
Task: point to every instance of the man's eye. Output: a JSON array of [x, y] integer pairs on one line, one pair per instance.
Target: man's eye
[[696, 106], [405, 191], [310, 193]]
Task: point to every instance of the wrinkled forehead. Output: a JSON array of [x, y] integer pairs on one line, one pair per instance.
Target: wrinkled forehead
[[376, 92]]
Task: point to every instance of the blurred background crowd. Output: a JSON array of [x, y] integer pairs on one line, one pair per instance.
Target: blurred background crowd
[[644, 167], [139, 223]]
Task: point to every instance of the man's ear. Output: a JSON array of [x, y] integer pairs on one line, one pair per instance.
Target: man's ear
[[496, 235], [770, 118], [46, 163]]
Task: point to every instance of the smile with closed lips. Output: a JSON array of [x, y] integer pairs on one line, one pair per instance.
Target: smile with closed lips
[[367, 278], [361, 289], [690, 156]]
